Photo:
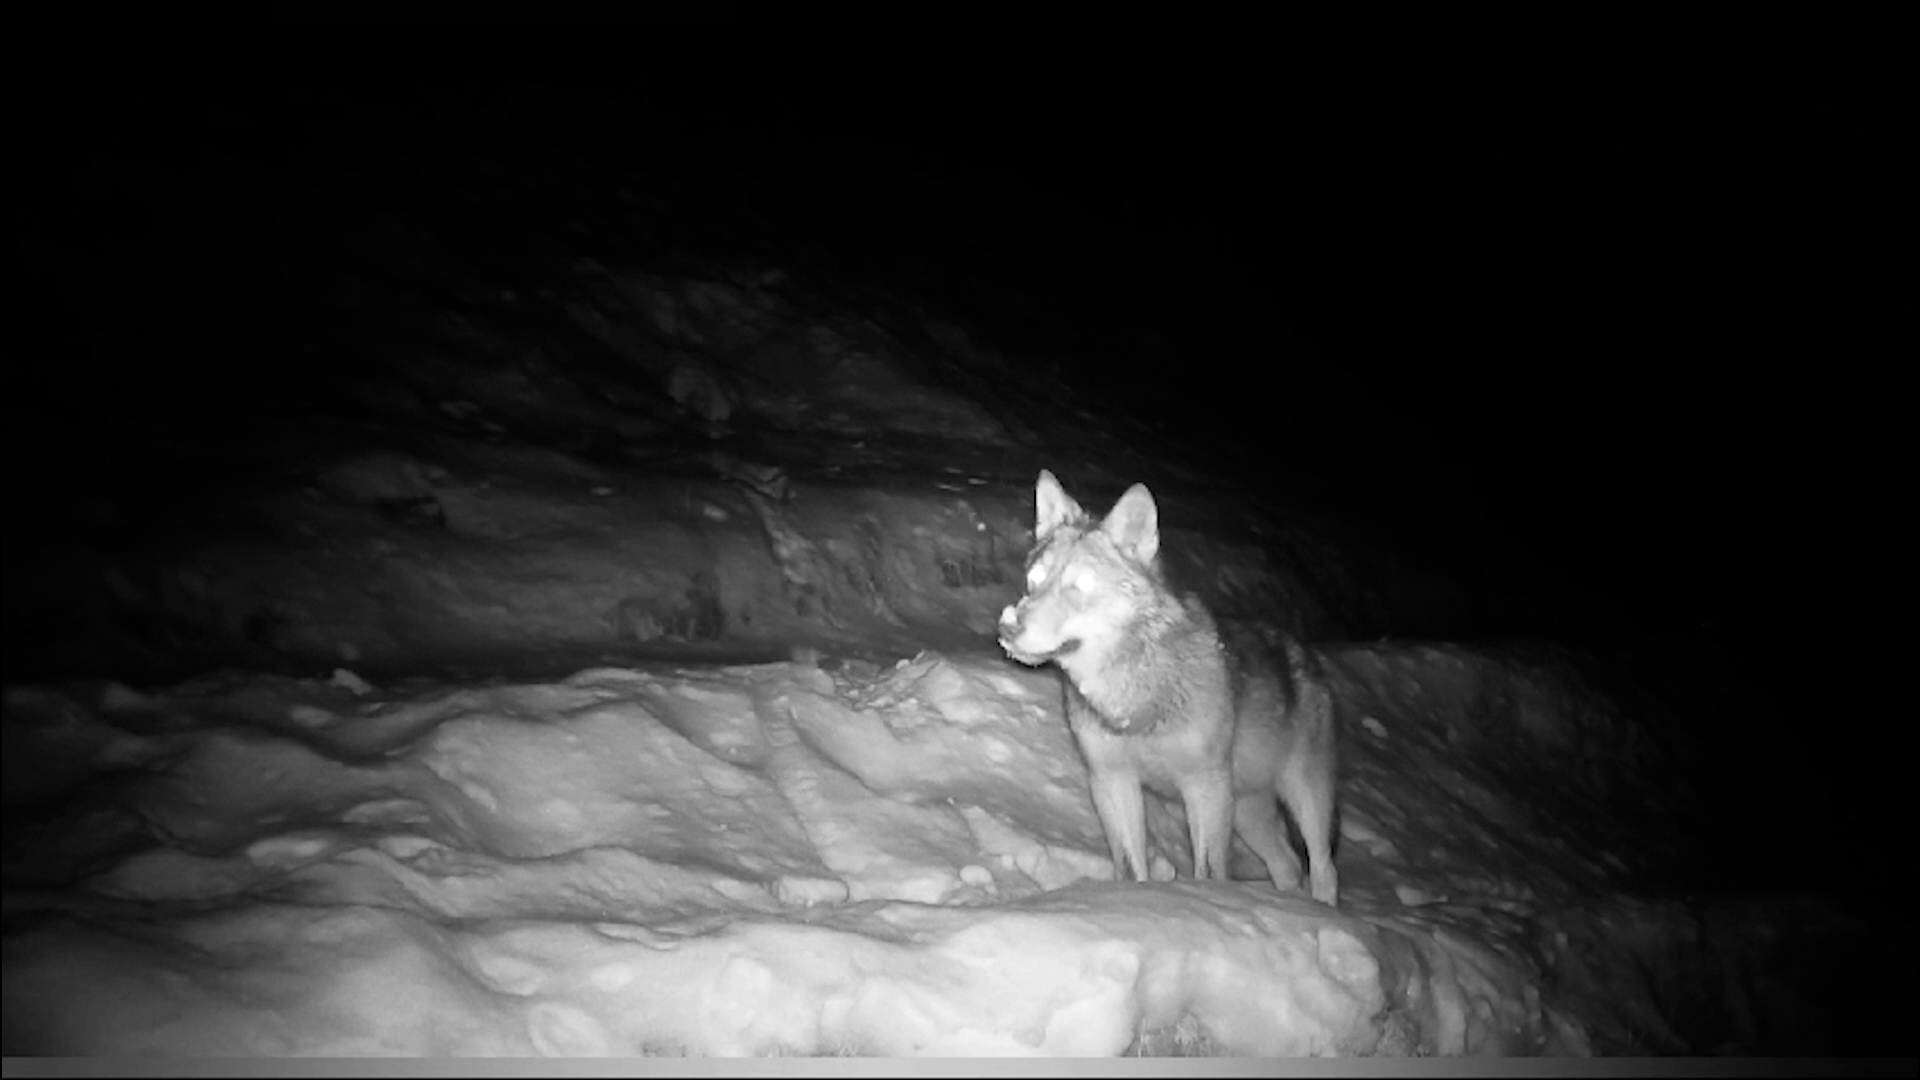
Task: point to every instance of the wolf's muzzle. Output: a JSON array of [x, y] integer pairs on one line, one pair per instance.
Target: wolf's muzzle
[[1010, 630], [1010, 621]]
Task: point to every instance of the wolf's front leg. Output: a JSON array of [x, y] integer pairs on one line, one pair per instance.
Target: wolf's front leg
[[1123, 816], [1208, 799]]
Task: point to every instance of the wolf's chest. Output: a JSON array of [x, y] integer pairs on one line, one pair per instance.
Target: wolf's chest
[[1169, 751]]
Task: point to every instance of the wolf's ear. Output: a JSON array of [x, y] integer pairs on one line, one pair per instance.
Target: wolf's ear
[[1052, 506], [1134, 524]]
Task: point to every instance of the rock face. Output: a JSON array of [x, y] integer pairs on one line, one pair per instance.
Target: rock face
[[625, 462]]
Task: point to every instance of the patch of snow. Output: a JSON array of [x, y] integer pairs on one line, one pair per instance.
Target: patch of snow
[[757, 859]]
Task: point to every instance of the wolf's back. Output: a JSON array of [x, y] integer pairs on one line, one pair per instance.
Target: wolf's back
[[1258, 651]]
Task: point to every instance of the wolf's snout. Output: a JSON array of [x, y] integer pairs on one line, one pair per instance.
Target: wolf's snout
[[1010, 632]]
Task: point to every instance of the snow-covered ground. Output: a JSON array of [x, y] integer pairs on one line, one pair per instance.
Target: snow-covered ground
[[808, 857]]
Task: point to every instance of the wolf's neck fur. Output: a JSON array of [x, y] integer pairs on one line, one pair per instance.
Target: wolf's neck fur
[[1149, 674]]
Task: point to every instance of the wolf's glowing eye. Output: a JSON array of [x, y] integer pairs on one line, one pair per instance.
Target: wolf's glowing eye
[[1083, 579]]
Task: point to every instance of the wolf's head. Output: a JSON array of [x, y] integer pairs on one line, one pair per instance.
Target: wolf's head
[[1086, 583]]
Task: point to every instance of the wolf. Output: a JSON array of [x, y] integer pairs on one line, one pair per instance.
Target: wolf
[[1233, 719]]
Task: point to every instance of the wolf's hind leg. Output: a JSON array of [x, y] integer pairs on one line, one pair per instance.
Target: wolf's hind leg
[[1257, 817], [1309, 794], [1123, 817]]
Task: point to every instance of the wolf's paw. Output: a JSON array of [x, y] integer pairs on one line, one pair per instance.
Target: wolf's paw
[[1286, 884], [1326, 887], [1285, 874]]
